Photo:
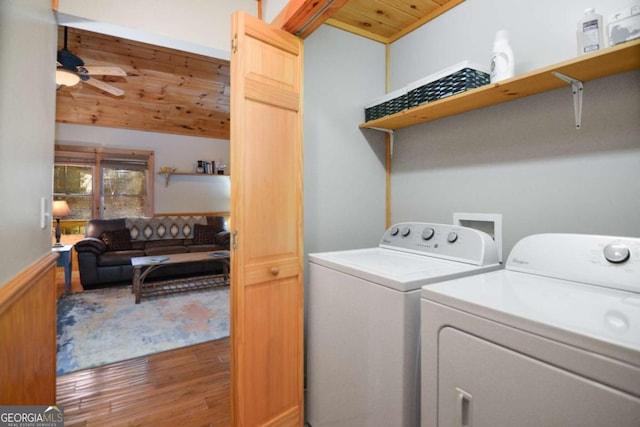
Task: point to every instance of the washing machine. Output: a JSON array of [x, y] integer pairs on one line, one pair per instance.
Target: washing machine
[[553, 339], [363, 321]]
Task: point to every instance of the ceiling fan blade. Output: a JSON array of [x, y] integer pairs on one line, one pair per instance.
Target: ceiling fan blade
[[103, 71], [104, 86]]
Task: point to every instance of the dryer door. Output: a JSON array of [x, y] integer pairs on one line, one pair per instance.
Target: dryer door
[[481, 384]]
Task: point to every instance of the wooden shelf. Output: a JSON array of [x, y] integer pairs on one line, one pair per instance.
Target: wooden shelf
[[167, 176], [613, 60], [195, 174]]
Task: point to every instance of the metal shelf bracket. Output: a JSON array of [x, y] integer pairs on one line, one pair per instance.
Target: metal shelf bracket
[[577, 88], [390, 132]]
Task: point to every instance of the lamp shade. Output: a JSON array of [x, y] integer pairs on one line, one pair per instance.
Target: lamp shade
[[61, 208]]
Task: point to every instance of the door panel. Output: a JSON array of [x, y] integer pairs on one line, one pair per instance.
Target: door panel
[[270, 182], [266, 218]]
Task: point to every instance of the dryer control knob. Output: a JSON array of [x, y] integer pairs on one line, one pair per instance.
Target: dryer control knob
[[394, 231], [616, 253], [452, 237], [427, 233], [405, 231]]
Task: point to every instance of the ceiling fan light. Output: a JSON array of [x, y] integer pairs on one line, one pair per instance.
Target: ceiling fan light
[[66, 78]]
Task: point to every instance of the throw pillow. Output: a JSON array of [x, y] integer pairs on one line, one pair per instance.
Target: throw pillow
[[204, 234], [117, 240]]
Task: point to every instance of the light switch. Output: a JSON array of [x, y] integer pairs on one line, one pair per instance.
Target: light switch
[[44, 212]]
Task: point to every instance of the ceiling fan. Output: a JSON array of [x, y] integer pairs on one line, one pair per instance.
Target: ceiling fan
[[71, 70]]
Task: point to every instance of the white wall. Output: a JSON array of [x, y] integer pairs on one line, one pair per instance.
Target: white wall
[[271, 9], [27, 114], [200, 26], [184, 194], [524, 159], [344, 167]]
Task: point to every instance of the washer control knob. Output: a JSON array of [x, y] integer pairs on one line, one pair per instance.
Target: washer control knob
[[427, 233], [616, 253], [394, 231], [452, 237], [405, 231]]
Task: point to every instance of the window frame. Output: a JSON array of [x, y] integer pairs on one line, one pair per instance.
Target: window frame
[[95, 156]]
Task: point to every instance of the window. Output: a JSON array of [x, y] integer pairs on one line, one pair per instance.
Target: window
[[123, 191], [103, 183], [73, 183]]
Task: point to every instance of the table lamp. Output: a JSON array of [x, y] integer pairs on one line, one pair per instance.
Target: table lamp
[[60, 209]]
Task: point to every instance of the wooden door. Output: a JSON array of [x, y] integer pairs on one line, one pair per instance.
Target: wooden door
[[266, 220]]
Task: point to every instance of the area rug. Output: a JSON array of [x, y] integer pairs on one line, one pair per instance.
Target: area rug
[[103, 326]]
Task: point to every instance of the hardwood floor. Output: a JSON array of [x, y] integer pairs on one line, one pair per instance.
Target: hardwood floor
[[184, 387], [187, 387]]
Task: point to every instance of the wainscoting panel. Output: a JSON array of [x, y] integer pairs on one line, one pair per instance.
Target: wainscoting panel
[[28, 336]]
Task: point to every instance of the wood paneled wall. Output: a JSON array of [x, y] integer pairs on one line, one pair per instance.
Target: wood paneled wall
[[28, 336]]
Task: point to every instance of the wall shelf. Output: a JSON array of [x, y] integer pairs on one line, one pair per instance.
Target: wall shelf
[[609, 61], [195, 174], [167, 175]]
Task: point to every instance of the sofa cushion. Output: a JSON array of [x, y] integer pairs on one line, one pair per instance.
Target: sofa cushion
[[95, 227], [158, 243], [117, 240], [205, 248], [112, 258], [163, 227], [164, 250], [204, 234], [218, 222]]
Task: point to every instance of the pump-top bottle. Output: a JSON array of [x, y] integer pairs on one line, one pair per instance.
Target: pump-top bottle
[[502, 66]]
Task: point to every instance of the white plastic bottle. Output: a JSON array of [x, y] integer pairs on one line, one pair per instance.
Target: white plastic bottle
[[502, 65], [590, 32]]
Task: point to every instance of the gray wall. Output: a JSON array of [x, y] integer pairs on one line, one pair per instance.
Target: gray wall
[[523, 159], [344, 168], [541, 33], [28, 36]]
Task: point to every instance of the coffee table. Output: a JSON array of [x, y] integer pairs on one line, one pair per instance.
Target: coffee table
[[144, 265]]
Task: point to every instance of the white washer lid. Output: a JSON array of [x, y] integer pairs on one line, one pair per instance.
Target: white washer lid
[[590, 317], [395, 269]]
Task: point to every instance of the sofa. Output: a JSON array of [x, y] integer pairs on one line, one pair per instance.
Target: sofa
[[104, 254]]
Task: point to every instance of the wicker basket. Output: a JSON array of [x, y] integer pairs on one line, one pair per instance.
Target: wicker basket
[[459, 78], [390, 103]]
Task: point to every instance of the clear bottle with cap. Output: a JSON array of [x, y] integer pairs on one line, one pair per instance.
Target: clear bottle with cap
[[590, 32], [502, 65]]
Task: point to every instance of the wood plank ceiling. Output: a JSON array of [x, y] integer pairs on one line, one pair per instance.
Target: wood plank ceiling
[[382, 20], [176, 92], [388, 20], [166, 90]]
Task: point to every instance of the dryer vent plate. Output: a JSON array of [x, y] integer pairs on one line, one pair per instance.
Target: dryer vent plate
[[488, 223]]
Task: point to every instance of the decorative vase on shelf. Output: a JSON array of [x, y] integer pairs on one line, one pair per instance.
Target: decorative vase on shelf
[[167, 172]]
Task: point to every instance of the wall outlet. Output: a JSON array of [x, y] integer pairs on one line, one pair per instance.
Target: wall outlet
[[488, 223]]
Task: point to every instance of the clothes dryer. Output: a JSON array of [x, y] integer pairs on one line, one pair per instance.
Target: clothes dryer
[[553, 339], [364, 318]]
